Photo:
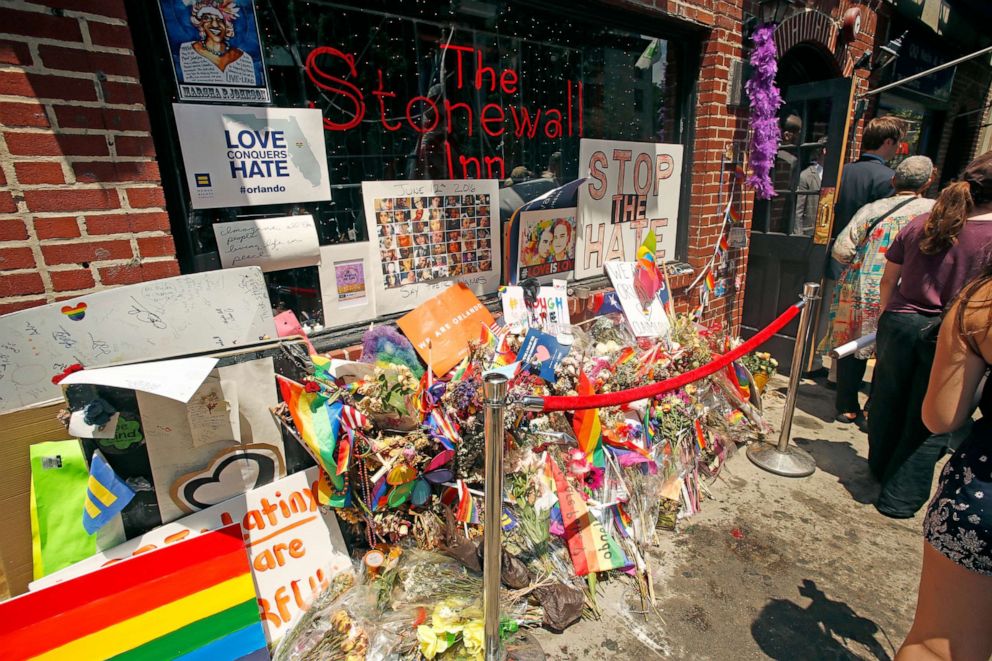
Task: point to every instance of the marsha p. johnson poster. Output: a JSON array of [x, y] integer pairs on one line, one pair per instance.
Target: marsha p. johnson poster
[[215, 49]]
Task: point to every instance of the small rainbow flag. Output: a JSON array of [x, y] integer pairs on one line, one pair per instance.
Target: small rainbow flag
[[734, 214], [194, 599], [724, 246], [709, 281], [443, 430], [588, 430], [699, 433], [649, 433], [622, 520], [467, 511], [738, 377]]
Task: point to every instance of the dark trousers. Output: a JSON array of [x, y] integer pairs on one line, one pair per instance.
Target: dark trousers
[[901, 452], [850, 374]]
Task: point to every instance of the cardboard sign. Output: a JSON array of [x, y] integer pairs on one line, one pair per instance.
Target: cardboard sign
[[294, 548], [546, 243], [194, 599], [652, 322], [441, 328], [273, 244], [239, 156], [549, 310], [426, 234], [632, 187], [174, 316]]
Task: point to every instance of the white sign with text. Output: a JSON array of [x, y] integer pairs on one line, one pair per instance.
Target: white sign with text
[[274, 244]]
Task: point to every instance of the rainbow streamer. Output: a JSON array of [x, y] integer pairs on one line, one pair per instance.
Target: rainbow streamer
[[467, 511], [699, 433], [587, 427], [443, 430]]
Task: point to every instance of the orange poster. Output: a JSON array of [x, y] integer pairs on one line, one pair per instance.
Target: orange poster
[[441, 328]]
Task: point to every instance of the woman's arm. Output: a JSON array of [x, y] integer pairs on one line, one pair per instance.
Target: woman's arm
[[954, 378], [890, 278]]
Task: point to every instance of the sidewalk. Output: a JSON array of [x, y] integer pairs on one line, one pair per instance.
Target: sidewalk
[[773, 567]]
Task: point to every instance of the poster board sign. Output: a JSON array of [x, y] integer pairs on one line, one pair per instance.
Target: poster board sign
[[441, 327], [294, 547], [173, 316], [216, 51], [346, 290], [632, 187], [548, 311], [240, 156], [272, 244], [427, 234], [652, 322], [547, 244]]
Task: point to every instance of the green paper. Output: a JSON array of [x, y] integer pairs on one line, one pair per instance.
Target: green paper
[[58, 481]]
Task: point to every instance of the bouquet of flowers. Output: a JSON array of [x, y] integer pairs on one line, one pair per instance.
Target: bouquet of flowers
[[762, 367]]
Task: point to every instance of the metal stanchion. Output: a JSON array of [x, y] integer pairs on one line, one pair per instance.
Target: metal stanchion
[[786, 460], [494, 391]]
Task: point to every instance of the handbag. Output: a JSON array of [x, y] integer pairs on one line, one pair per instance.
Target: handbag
[[835, 268]]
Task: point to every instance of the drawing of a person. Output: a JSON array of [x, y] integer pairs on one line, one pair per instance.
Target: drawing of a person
[[212, 59], [561, 239]]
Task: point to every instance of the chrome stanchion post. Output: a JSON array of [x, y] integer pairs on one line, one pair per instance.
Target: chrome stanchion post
[[783, 459], [494, 388]]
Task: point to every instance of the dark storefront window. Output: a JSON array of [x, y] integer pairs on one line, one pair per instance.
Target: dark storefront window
[[416, 90]]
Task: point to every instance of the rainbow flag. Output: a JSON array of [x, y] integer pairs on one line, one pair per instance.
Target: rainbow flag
[[647, 277], [699, 433], [738, 377], [467, 512], [649, 433], [709, 281], [734, 215], [588, 430], [622, 520], [443, 430], [724, 245], [194, 599], [591, 548], [319, 425]]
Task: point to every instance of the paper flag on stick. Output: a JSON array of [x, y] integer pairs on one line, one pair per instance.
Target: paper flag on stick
[[647, 277], [466, 512], [106, 494]]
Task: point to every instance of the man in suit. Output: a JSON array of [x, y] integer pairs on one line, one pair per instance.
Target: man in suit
[[808, 191]]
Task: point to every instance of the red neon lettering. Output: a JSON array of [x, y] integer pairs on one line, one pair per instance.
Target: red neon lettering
[[552, 127], [508, 81], [480, 68], [420, 127], [380, 94], [449, 106], [524, 124], [327, 82], [458, 51], [484, 120]]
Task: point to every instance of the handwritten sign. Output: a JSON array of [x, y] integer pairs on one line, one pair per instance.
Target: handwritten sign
[[652, 322], [170, 317], [548, 311], [274, 244], [632, 187], [425, 232], [295, 549]]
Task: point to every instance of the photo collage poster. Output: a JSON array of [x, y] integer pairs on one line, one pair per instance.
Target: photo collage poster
[[427, 234]]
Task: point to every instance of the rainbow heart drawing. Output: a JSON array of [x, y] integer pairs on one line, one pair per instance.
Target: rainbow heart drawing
[[75, 313]]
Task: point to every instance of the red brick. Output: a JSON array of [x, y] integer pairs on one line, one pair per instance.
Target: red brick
[[128, 274], [157, 270], [67, 199], [56, 144], [87, 61], [113, 36], [108, 8], [129, 145], [23, 114], [18, 83], [65, 227], [3, 178], [7, 204], [16, 258], [156, 246], [72, 280], [17, 306], [14, 52], [114, 92], [39, 173], [13, 229], [92, 251], [142, 198], [155, 221], [97, 171], [74, 117], [40, 24], [21, 284]]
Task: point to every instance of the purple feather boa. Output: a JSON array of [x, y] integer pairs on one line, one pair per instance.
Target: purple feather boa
[[765, 101]]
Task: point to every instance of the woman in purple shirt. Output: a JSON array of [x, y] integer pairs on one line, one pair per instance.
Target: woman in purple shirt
[[928, 263]]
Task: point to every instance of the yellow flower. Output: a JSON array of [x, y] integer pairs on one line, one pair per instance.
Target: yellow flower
[[447, 617], [473, 637], [431, 644]]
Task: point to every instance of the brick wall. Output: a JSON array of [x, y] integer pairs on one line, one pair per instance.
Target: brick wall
[[81, 204]]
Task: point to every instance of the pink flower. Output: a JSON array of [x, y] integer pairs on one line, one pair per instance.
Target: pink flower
[[594, 478]]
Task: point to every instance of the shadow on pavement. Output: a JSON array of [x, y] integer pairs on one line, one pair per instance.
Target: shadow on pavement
[[840, 459], [825, 629]]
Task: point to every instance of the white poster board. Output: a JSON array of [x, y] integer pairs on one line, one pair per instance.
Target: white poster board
[[240, 156], [427, 235], [652, 322], [293, 546], [174, 316], [346, 291], [273, 244], [632, 187]]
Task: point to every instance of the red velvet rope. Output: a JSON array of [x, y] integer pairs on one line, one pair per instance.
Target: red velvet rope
[[653, 389]]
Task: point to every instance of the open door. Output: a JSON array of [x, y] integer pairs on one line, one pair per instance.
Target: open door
[[790, 232]]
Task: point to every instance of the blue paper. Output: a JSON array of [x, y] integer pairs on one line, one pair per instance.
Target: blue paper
[[542, 349]]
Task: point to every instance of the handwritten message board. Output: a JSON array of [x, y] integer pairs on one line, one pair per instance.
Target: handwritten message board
[[632, 187], [170, 317], [652, 322], [274, 244], [547, 311], [431, 232], [294, 547]]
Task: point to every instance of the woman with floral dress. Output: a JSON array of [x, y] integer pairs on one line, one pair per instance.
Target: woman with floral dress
[[862, 246]]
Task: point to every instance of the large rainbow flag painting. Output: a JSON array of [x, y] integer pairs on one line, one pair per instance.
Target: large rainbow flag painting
[[191, 600]]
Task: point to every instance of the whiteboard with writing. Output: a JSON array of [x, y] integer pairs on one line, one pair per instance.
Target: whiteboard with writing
[[158, 319], [294, 546], [274, 244]]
